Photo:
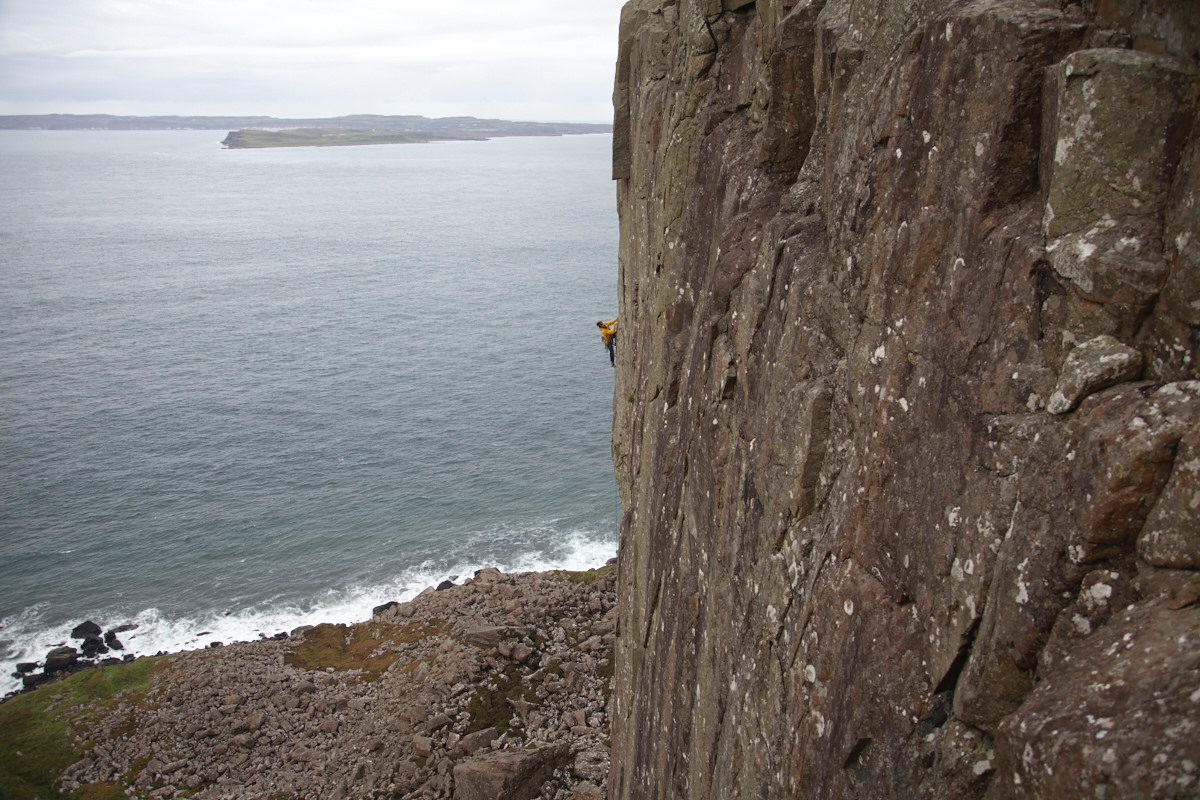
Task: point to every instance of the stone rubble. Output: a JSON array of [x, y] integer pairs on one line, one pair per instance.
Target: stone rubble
[[494, 688]]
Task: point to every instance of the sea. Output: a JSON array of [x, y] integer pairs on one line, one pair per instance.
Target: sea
[[247, 390]]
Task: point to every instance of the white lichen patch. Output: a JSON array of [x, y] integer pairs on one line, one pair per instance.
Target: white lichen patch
[[1062, 150], [1022, 587]]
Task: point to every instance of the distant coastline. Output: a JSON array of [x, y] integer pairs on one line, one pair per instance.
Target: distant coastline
[[467, 127], [356, 129], [334, 137]]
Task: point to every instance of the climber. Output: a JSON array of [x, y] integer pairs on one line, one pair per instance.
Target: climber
[[608, 335]]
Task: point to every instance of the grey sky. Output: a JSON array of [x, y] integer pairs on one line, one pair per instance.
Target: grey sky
[[549, 60]]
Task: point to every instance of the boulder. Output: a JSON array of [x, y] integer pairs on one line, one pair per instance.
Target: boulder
[[93, 646], [1119, 120], [507, 774], [489, 575], [388, 606], [472, 743], [444, 585], [1094, 365], [85, 629], [484, 637], [34, 681], [26, 667], [59, 659], [110, 639], [436, 723]]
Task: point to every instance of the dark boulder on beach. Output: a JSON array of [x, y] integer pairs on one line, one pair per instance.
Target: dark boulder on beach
[[93, 646], [26, 667], [128, 626], [385, 607], [85, 629], [33, 681], [112, 641], [444, 585], [59, 659]]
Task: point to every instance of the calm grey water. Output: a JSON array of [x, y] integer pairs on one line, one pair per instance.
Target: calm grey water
[[245, 390]]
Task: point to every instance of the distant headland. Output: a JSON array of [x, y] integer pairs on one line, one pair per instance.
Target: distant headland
[[356, 129]]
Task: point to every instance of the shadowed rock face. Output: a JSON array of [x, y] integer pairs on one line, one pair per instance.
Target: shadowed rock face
[[863, 246]]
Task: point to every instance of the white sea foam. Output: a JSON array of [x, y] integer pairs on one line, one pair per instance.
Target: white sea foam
[[24, 637]]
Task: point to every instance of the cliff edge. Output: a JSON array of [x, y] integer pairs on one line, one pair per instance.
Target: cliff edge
[[907, 411]]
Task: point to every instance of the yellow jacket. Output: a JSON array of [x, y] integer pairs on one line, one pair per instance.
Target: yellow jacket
[[608, 330]]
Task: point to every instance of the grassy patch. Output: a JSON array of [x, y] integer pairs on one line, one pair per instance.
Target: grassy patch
[[590, 576], [34, 746], [489, 707], [366, 646], [99, 791]]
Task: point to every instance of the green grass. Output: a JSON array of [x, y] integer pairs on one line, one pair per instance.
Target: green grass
[[347, 647], [34, 746], [489, 707], [589, 576]]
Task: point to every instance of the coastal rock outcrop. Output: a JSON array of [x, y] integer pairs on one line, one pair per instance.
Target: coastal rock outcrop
[[906, 409]]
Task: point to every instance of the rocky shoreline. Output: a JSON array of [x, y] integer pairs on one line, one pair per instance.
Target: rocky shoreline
[[495, 688], [63, 659]]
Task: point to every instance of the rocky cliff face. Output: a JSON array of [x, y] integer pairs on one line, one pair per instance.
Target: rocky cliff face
[[907, 419]]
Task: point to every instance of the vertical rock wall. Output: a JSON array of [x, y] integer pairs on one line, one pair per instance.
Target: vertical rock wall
[[907, 420]]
